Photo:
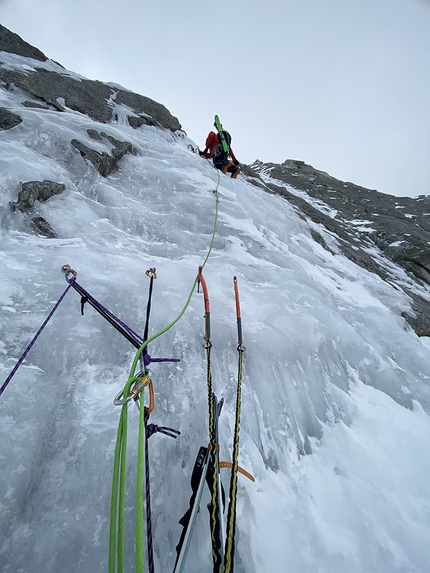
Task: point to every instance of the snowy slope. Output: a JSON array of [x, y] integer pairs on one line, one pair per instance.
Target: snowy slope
[[335, 424]]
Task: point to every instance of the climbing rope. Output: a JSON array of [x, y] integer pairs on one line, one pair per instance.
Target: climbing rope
[[30, 346], [231, 514], [212, 477], [116, 532]]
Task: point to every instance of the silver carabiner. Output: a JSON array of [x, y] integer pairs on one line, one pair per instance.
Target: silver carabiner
[[122, 401], [137, 388], [67, 270]]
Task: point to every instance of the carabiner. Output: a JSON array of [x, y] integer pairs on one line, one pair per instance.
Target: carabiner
[[139, 386], [67, 270], [123, 401], [136, 390], [146, 382]]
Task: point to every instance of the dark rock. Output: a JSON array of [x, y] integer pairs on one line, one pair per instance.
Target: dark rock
[[88, 97], [34, 104], [8, 119], [12, 43], [85, 96], [33, 191], [320, 240], [141, 104], [42, 227], [253, 176], [94, 134], [136, 122], [104, 162]]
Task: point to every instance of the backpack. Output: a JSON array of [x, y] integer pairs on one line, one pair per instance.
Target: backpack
[[227, 137], [218, 150]]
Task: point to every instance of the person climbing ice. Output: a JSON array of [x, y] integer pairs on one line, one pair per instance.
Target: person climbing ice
[[218, 148]]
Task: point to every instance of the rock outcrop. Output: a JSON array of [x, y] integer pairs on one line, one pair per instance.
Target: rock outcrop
[[104, 162], [42, 227], [14, 44], [33, 191], [8, 119], [93, 98], [362, 220]]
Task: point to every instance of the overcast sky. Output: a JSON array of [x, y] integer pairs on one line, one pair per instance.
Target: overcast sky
[[343, 85]]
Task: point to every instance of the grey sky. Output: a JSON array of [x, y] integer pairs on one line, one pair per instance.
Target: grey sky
[[343, 85]]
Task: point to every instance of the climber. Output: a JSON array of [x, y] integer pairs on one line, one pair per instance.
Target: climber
[[225, 161]]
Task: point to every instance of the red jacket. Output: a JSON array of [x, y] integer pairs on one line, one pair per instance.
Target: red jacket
[[212, 141]]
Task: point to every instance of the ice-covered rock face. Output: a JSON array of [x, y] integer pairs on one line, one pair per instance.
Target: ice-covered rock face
[[335, 395], [49, 82], [367, 224]]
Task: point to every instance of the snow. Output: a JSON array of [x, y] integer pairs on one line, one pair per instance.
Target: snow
[[14, 62], [316, 203], [335, 424]]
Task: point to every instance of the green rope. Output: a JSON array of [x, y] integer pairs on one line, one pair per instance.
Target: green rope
[[140, 489], [215, 222], [116, 528]]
